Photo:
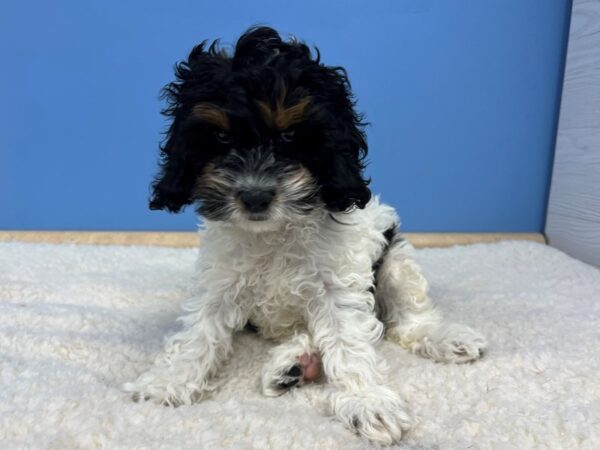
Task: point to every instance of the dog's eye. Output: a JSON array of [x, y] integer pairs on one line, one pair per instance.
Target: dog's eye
[[223, 137], [287, 136]]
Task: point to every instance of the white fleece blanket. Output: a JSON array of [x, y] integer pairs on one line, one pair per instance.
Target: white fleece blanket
[[77, 321]]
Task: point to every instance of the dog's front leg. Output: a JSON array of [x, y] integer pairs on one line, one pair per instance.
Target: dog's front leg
[[345, 329], [182, 373]]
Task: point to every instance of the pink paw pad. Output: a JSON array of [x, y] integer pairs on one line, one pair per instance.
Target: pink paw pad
[[311, 366], [306, 370]]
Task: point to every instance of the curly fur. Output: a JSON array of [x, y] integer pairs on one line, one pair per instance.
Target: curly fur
[[263, 70], [294, 244]]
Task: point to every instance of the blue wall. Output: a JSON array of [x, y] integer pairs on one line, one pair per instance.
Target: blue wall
[[462, 96]]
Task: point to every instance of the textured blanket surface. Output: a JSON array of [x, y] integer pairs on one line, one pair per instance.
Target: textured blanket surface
[[77, 321]]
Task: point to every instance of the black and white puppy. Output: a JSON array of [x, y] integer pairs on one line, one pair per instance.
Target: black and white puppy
[[266, 143]]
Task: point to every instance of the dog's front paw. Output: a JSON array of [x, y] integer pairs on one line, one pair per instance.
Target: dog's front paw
[[152, 387], [377, 414]]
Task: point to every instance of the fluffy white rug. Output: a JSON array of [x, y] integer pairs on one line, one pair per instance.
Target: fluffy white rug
[[77, 321]]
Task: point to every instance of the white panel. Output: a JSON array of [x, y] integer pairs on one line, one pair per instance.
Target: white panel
[[573, 222]]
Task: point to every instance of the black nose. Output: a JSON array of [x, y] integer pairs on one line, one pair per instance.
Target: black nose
[[257, 201]]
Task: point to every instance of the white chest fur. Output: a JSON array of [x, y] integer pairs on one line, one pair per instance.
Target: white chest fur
[[273, 275]]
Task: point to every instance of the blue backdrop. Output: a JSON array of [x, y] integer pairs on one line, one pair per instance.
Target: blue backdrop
[[462, 95]]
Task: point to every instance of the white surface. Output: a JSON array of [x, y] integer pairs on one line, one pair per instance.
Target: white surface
[[77, 321], [573, 222]]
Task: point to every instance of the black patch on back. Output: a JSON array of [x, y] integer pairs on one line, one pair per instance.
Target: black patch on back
[[389, 235], [251, 327]]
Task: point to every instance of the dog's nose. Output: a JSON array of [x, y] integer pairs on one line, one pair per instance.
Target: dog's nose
[[256, 201]]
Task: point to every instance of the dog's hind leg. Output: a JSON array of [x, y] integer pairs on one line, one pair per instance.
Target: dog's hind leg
[[291, 364], [410, 317]]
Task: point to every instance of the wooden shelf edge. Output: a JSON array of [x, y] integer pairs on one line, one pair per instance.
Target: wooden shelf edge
[[192, 239]]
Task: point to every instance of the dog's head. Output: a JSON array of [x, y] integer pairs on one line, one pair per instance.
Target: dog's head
[[261, 136]]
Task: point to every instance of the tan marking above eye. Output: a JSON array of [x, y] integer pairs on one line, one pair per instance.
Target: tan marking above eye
[[212, 114], [283, 117]]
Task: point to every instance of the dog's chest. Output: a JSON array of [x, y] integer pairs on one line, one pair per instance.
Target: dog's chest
[[279, 284]]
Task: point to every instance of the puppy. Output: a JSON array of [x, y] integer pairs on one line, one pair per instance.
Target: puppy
[[265, 142]]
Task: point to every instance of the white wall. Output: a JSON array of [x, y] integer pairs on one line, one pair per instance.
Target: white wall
[[573, 221]]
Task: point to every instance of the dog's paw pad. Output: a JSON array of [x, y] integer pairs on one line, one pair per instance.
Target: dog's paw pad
[[305, 369], [310, 366]]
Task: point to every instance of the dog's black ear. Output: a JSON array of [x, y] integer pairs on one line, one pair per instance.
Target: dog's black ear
[[172, 188], [181, 154], [343, 186]]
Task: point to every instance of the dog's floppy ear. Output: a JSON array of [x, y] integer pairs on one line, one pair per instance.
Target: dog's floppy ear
[[172, 188], [344, 186], [196, 79]]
